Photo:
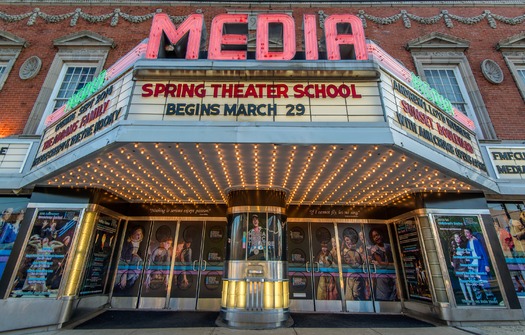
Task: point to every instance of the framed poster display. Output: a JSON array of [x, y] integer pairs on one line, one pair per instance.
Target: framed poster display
[[469, 266]]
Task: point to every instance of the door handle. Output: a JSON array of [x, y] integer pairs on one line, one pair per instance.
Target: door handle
[[307, 267], [375, 268], [364, 268], [318, 267], [205, 265], [193, 266]]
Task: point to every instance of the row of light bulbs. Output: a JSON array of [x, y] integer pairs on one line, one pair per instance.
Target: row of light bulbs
[[201, 173]]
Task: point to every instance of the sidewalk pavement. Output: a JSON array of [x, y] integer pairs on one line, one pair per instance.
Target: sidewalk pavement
[[515, 329]]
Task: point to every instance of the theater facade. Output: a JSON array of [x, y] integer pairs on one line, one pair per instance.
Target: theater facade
[[236, 163]]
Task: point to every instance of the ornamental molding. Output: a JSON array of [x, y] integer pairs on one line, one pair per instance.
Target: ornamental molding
[[73, 17], [438, 41], [439, 55], [491, 71], [114, 17], [514, 55], [447, 18], [11, 40], [513, 43], [9, 52], [30, 68], [84, 39]]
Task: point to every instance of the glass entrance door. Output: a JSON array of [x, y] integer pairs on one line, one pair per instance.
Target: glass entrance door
[[341, 267], [313, 269], [199, 263], [175, 265]]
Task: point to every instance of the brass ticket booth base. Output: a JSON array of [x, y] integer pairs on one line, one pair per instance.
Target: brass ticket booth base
[[255, 293]]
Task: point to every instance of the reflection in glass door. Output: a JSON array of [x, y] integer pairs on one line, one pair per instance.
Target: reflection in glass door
[[341, 267], [184, 283], [327, 286]]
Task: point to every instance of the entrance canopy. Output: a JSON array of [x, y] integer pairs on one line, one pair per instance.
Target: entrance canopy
[[201, 173], [186, 132]]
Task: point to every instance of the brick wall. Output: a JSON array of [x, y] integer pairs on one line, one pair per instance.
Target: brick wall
[[504, 103]]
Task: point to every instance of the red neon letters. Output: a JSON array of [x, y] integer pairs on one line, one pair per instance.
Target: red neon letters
[[193, 27], [218, 39], [162, 24], [262, 49]]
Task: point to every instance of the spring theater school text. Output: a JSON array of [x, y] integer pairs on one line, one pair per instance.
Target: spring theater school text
[[240, 91]]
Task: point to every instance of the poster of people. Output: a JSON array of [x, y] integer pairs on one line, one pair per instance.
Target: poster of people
[[257, 237], [160, 253], [469, 266], [46, 254], [379, 250], [416, 275], [13, 211], [509, 223], [96, 273], [131, 261]]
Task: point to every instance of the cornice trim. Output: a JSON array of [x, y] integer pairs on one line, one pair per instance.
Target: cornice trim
[[407, 18]]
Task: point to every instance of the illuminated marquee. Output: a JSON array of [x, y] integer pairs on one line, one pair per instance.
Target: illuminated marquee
[[272, 101], [96, 115], [435, 127]]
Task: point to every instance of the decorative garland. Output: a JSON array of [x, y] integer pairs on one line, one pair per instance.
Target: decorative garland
[[78, 13], [403, 15], [444, 15]]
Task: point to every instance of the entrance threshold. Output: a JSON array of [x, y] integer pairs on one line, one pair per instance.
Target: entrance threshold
[[141, 319]]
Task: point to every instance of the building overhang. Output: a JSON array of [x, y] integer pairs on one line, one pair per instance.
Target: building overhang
[[330, 133], [139, 165]]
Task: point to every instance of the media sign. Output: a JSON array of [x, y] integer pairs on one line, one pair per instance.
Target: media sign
[[508, 162]]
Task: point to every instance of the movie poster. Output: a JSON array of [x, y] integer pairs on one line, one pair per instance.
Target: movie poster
[[131, 261], [470, 269], [13, 211], [416, 275], [158, 264], [46, 254], [96, 273]]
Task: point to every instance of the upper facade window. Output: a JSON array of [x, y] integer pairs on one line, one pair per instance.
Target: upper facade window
[[449, 83], [513, 50], [73, 78], [80, 57], [440, 60], [10, 47]]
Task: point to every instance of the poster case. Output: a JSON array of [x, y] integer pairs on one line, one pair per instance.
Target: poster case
[[416, 275], [96, 272], [46, 254], [466, 256]]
